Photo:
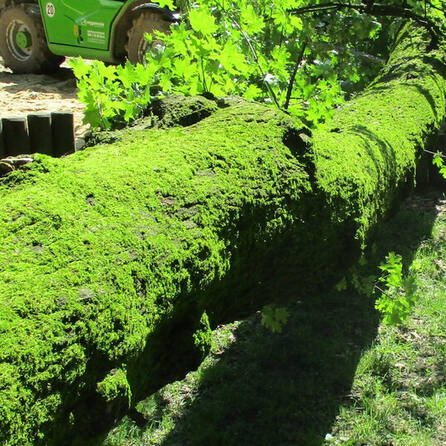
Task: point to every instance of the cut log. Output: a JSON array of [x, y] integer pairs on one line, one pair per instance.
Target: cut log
[[40, 134], [15, 136], [62, 125], [2, 144]]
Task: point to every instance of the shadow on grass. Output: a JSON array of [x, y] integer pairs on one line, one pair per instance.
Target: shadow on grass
[[266, 388], [281, 389]]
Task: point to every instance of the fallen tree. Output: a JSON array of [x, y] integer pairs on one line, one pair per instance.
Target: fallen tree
[[108, 253]]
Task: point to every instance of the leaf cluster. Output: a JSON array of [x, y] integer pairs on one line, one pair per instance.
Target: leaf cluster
[[398, 297], [438, 161], [274, 318], [113, 95], [260, 51], [302, 56]]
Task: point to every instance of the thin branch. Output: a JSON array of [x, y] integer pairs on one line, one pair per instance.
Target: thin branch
[[17, 161], [204, 76], [376, 10], [256, 59], [254, 55], [435, 153], [380, 289], [293, 75]]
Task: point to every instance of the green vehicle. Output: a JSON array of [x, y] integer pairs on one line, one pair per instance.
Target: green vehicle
[[36, 36]]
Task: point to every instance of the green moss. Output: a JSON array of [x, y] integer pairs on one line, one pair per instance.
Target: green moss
[[181, 110], [115, 386], [97, 248], [203, 335], [370, 149]]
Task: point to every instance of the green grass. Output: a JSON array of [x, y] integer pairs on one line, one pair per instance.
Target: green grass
[[335, 375], [399, 393]]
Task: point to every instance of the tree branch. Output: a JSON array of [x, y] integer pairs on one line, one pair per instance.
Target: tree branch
[[293, 75], [369, 7], [254, 55]]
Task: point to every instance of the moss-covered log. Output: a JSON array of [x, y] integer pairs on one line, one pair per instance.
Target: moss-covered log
[[102, 250], [100, 247], [371, 147]]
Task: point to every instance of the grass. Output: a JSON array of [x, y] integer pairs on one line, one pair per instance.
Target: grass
[[398, 395], [335, 375]]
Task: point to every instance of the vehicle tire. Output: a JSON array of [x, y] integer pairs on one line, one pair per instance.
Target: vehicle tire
[[137, 45], [23, 42]]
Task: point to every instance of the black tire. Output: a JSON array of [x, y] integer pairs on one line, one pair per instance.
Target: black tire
[[137, 45], [33, 55]]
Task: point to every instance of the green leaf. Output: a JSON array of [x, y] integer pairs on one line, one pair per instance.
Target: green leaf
[[274, 318], [252, 92], [296, 23], [437, 160], [202, 21], [169, 4], [80, 68], [341, 285], [251, 22]]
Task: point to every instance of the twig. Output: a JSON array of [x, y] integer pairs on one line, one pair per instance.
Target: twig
[[435, 153], [256, 58], [378, 288], [376, 10], [17, 161], [204, 76], [254, 55], [293, 75]]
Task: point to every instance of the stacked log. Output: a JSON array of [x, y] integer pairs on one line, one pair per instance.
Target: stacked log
[[48, 133]]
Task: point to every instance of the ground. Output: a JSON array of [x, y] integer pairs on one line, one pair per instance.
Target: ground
[[21, 94]]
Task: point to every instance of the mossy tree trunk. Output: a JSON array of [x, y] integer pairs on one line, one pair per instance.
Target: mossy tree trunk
[[105, 251]]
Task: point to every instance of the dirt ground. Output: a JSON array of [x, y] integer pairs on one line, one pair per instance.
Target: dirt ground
[[21, 94]]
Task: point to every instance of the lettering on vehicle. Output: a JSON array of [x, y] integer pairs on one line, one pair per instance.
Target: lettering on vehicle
[[86, 22], [50, 10], [95, 36], [95, 24]]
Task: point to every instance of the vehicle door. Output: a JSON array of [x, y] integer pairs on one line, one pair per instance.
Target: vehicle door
[[85, 23]]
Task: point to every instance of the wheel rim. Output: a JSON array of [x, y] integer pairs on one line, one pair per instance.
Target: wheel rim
[[144, 47], [19, 40]]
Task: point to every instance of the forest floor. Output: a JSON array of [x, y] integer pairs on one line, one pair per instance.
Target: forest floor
[[21, 94], [335, 375]]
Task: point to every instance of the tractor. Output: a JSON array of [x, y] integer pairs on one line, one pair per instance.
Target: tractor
[[36, 36]]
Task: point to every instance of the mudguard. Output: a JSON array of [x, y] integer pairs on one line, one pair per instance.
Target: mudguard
[[167, 14], [4, 3]]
